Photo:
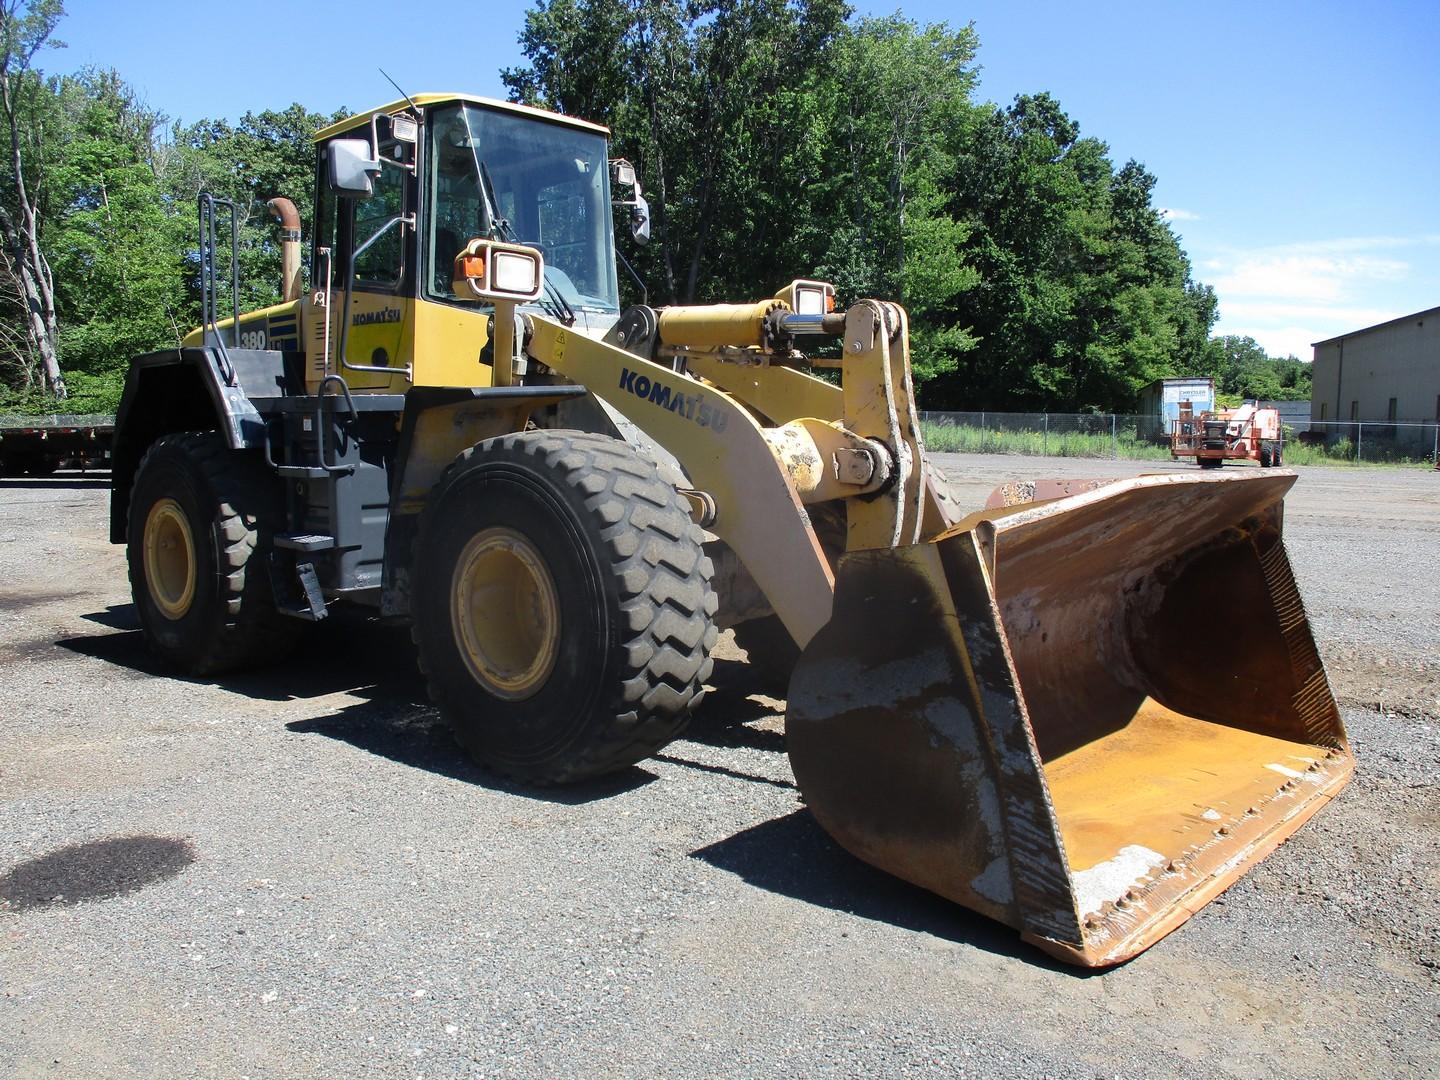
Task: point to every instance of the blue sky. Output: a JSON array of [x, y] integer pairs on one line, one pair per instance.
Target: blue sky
[[1297, 145]]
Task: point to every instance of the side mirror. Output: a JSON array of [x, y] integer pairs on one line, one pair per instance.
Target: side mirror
[[352, 168], [640, 220]]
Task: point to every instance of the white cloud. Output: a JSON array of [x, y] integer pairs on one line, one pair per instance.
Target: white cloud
[[1288, 277], [1344, 244], [1175, 214], [1279, 340], [1290, 295], [1263, 311]]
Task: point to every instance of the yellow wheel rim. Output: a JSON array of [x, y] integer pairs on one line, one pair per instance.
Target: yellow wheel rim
[[169, 559], [505, 613]]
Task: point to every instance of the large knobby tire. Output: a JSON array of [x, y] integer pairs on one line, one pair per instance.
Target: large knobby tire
[[1211, 462], [201, 517], [562, 605]]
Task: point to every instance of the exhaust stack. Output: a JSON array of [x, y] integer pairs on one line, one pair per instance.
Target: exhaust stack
[[283, 210]]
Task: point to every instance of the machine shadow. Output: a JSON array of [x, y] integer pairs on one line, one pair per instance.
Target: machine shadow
[[793, 856], [724, 717], [366, 659], [115, 616]]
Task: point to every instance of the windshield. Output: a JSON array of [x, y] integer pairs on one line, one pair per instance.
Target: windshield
[[507, 177]]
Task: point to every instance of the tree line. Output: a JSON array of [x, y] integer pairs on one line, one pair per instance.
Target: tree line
[[775, 139]]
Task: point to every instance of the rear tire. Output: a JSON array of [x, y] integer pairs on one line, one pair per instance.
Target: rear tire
[[1267, 457], [563, 608], [201, 517], [1211, 462]]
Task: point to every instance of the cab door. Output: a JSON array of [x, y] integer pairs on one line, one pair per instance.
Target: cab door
[[379, 348]]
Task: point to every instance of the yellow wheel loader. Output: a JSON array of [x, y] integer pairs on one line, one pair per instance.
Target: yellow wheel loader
[[457, 425]]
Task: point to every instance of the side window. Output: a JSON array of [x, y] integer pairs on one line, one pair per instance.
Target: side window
[[325, 235], [383, 263]]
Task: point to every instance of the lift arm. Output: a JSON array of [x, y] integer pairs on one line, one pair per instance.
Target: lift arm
[[724, 451]]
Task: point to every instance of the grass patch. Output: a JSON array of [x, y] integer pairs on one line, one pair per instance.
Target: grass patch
[[969, 439], [946, 438], [1342, 453]]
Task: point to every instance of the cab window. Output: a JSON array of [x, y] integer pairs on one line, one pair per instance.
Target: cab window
[[383, 263]]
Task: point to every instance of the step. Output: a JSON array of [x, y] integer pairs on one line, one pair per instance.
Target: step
[[304, 541], [311, 472]]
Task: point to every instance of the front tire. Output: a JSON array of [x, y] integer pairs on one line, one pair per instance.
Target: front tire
[[563, 607], [200, 520]]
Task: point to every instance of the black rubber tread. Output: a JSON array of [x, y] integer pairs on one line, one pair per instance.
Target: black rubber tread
[[653, 603], [1211, 463], [235, 506]]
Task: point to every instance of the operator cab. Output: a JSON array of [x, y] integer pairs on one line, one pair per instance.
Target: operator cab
[[403, 189]]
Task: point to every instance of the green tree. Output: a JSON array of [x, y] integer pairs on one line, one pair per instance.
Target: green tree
[[1247, 371], [775, 142], [1085, 295], [264, 155], [30, 284], [117, 270]]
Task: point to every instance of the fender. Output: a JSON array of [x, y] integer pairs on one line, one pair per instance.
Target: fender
[[189, 389]]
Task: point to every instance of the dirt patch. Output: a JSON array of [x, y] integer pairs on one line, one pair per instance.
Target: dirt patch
[[1389, 681]]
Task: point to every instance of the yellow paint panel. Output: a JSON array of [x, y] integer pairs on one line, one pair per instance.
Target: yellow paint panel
[[781, 394], [1166, 782], [450, 340], [247, 318], [381, 333]]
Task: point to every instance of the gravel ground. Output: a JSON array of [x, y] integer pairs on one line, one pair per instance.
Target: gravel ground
[[319, 885]]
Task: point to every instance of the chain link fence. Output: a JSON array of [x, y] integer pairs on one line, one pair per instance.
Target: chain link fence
[[1389, 443], [1118, 435], [1085, 435]]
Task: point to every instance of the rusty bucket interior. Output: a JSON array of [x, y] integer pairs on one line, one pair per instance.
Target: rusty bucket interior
[[1083, 717]]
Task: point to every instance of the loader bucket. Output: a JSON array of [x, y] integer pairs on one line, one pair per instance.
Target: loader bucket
[[1083, 717]]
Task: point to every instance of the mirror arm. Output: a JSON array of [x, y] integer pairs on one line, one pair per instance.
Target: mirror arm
[[375, 148], [644, 292]]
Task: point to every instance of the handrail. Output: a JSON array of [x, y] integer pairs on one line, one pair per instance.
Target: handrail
[[209, 317]]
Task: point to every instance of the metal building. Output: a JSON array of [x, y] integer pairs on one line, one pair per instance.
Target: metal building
[[1384, 373]]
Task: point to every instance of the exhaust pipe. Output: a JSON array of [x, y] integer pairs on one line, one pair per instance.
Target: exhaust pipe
[[1084, 718], [283, 210]]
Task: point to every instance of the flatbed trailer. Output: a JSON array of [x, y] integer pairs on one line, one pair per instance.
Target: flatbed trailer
[[39, 445]]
